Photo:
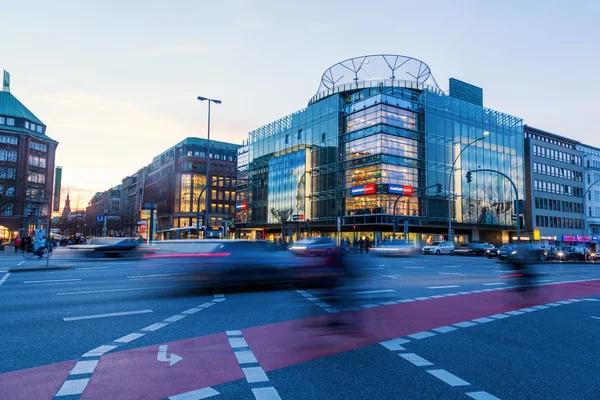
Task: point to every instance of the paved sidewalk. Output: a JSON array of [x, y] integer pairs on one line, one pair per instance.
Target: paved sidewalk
[[15, 262]]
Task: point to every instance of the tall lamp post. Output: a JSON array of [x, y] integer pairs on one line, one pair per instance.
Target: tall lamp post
[[583, 224], [208, 179], [450, 180]]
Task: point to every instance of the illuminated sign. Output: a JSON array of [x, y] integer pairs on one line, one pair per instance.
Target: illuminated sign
[[241, 206], [363, 189], [536, 234], [400, 189], [578, 238]]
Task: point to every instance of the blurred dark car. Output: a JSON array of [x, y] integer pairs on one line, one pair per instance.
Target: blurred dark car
[[503, 252], [571, 253], [528, 253], [314, 247], [395, 248], [111, 247], [475, 249]]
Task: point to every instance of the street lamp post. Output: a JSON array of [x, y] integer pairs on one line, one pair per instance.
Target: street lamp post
[[200, 98], [450, 180], [583, 224]]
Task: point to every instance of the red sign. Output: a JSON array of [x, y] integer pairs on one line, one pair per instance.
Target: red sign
[[370, 188], [300, 217], [408, 190]]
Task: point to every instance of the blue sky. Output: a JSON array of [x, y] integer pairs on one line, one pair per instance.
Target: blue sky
[[116, 81]]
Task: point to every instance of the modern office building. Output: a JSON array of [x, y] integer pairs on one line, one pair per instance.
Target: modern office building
[[373, 145], [26, 169], [591, 165], [554, 174], [173, 182]]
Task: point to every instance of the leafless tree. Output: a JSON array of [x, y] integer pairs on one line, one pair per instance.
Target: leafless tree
[[281, 216]]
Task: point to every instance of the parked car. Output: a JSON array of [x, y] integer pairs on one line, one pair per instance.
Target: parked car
[[314, 247], [571, 253], [500, 252], [394, 248], [439, 248]]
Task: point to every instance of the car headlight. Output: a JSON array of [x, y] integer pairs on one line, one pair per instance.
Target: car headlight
[[593, 254], [298, 248], [513, 252], [560, 253]]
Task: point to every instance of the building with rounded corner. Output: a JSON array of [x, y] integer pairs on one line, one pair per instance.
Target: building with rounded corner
[[375, 146]]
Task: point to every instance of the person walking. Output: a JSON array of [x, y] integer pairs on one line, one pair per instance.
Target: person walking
[[367, 244], [355, 245], [17, 243], [361, 244]]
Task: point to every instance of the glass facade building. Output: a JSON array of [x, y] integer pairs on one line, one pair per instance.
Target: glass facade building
[[363, 145]]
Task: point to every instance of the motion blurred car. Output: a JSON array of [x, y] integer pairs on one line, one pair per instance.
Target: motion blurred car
[[500, 252], [475, 249], [111, 247], [528, 253], [314, 247], [571, 253], [394, 248], [439, 248], [505, 251]]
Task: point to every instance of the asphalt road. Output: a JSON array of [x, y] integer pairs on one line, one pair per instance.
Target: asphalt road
[[427, 327]]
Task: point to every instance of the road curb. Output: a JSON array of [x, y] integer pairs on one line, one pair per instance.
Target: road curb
[[49, 268]]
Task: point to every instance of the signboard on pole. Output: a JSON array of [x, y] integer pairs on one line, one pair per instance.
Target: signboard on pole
[[57, 185]]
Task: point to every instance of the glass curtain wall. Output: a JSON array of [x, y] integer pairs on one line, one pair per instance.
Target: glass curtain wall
[[452, 124]]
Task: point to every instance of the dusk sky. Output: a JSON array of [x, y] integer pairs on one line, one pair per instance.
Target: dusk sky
[[116, 81]]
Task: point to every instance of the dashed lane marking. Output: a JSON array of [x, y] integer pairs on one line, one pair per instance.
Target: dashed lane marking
[[154, 327], [394, 344], [98, 351], [54, 281], [114, 290], [596, 317], [196, 394], [266, 393], [421, 335], [129, 338], [448, 378], [494, 283], [481, 396], [84, 367], [4, 278], [415, 359], [72, 387], [375, 291], [444, 329], [118, 314], [91, 268], [443, 287]]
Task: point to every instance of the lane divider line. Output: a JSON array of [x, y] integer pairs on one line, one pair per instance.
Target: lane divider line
[[4, 278], [75, 384], [250, 366], [317, 301]]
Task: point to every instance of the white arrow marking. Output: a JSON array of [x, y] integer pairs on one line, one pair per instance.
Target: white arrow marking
[[162, 356]]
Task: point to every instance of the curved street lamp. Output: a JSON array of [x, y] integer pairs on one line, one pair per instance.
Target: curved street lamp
[[200, 98], [450, 180]]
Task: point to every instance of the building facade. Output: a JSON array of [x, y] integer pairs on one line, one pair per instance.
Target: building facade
[[27, 157], [555, 176], [368, 151], [591, 164]]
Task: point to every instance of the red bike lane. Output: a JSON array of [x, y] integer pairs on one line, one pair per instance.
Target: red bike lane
[[210, 361]]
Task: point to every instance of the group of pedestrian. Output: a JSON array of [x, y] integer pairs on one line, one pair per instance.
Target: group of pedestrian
[[362, 245], [22, 243]]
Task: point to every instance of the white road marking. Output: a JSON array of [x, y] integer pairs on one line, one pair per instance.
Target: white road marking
[[369, 305], [464, 324], [394, 344], [499, 316], [234, 333], [21, 263], [481, 396], [192, 310], [206, 305], [415, 359], [553, 304], [540, 307], [53, 281], [375, 291], [527, 309], [444, 329], [389, 303], [596, 317], [238, 342], [483, 320], [113, 290], [564, 302], [98, 351], [494, 283], [437, 296], [448, 378], [218, 300], [546, 280], [84, 268], [321, 304], [154, 327], [196, 394], [421, 335], [442, 287], [255, 374], [422, 298], [515, 312], [575, 300], [406, 300], [332, 310], [245, 357], [414, 267], [107, 315], [84, 367], [266, 393], [219, 295], [175, 318], [451, 266], [129, 338], [74, 386], [591, 299], [369, 268]]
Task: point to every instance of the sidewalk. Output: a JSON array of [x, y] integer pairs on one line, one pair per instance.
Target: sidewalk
[[15, 262]]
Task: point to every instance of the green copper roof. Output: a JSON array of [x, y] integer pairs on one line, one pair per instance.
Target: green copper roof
[[11, 107]]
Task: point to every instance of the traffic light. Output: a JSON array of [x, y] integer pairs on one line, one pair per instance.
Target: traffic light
[[354, 227], [469, 177]]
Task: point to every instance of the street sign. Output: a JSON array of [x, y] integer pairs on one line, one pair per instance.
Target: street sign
[[298, 217], [99, 218], [514, 217]]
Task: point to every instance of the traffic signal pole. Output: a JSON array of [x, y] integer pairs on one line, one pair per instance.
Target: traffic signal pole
[[439, 189]]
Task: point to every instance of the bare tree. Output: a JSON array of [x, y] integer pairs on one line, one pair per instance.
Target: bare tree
[[281, 216], [9, 185]]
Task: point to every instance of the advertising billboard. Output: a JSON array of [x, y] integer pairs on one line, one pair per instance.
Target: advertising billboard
[[57, 184]]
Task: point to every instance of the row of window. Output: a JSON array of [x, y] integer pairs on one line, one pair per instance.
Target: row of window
[[557, 205], [37, 161], [38, 146], [201, 166], [36, 177], [557, 188], [596, 211], [593, 164], [8, 173], [34, 127], [8, 155], [7, 121], [9, 139], [556, 155], [549, 140], [7, 191], [546, 221], [36, 193], [551, 170]]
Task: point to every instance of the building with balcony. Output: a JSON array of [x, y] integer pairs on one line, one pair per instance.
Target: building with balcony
[[26, 169], [373, 145], [554, 176]]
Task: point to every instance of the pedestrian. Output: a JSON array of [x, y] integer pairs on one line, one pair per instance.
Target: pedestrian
[[17, 243], [361, 244], [367, 244], [355, 245]]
